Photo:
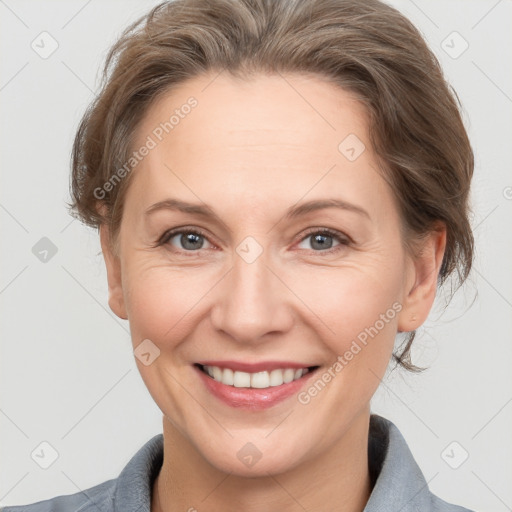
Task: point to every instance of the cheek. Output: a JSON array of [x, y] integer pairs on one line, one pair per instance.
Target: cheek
[[354, 303], [161, 302]]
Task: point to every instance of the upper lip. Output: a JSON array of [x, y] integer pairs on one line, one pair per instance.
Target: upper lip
[[255, 367]]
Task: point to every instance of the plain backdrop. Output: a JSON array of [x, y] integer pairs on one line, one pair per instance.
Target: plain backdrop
[[68, 375]]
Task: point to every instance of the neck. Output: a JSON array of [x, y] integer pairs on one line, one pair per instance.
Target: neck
[[335, 480]]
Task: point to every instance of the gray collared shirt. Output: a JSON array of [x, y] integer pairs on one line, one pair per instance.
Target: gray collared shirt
[[398, 483]]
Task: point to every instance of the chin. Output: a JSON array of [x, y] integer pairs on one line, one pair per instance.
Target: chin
[[248, 461], [259, 469]]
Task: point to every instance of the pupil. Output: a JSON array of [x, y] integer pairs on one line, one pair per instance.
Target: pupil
[[320, 239], [191, 241]]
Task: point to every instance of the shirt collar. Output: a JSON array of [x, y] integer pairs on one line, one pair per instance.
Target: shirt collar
[[398, 483], [135, 483]]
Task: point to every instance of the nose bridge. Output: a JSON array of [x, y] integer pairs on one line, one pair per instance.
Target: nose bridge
[[253, 302]]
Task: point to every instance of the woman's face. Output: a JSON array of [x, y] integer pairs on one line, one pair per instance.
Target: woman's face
[[255, 277]]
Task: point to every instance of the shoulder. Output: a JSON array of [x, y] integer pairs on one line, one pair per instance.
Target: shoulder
[[98, 498], [399, 483]]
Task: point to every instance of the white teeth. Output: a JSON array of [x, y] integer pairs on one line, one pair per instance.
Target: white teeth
[[288, 375], [276, 377], [227, 377], [259, 380], [217, 373], [242, 380]]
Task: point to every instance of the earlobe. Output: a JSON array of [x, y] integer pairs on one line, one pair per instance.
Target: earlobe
[[113, 267], [421, 283]]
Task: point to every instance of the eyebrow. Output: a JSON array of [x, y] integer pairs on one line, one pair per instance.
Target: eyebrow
[[320, 204], [293, 212]]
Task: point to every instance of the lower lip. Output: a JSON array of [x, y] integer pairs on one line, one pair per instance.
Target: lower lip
[[253, 398]]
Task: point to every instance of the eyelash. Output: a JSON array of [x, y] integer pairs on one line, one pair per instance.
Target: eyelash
[[343, 240]]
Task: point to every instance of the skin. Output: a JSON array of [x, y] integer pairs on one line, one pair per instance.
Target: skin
[[250, 150]]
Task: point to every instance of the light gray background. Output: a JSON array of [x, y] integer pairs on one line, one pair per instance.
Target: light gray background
[[67, 372]]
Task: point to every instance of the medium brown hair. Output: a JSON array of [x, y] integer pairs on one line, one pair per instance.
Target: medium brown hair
[[364, 46]]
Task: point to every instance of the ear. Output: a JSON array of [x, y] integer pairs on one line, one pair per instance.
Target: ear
[[113, 265], [421, 281]]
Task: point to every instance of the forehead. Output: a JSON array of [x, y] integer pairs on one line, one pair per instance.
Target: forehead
[[268, 137], [292, 111]]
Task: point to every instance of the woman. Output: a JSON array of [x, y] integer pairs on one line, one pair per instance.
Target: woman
[[280, 188]]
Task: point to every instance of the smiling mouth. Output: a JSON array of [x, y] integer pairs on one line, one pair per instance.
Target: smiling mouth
[[258, 380]]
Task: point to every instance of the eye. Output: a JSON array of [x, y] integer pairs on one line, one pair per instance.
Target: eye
[[322, 240], [190, 240], [185, 240]]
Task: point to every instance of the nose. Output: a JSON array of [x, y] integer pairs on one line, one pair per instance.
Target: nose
[[252, 302]]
